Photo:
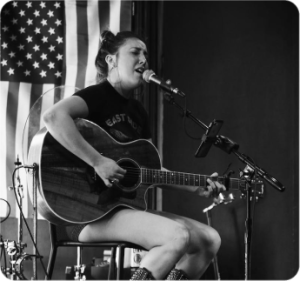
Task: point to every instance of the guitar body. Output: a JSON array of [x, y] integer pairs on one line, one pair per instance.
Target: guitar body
[[69, 191]]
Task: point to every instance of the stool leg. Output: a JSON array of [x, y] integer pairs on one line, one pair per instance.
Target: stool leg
[[120, 263], [112, 264], [79, 255]]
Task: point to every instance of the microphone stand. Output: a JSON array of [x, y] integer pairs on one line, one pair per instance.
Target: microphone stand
[[229, 146]]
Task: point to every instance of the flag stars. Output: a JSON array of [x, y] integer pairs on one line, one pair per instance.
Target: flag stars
[[11, 71], [29, 38], [59, 57], [43, 5], [51, 65], [50, 14], [4, 62], [58, 22], [29, 21], [36, 47], [36, 13], [52, 48], [51, 31], [59, 39], [44, 22], [29, 56], [4, 45], [43, 56], [6, 12], [57, 74], [43, 73], [13, 38], [5, 28], [36, 65], [45, 39], [29, 4], [19, 63], [37, 25], [12, 54], [37, 30], [27, 72], [22, 13], [22, 30]]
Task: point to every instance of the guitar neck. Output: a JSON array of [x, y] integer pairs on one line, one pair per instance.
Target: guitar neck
[[151, 176]]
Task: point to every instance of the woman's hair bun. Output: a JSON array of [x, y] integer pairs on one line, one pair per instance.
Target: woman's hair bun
[[107, 37]]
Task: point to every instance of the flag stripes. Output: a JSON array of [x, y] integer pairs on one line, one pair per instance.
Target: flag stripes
[[3, 147], [104, 15], [114, 20], [93, 31], [82, 24], [11, 122]]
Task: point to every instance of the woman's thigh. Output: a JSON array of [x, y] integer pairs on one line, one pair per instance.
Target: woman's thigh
[[143, 228]]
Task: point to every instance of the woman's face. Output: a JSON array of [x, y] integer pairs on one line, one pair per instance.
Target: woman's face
[[131, 62]]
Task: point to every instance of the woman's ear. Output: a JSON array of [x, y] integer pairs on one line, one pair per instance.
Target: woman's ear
[[111, 60]]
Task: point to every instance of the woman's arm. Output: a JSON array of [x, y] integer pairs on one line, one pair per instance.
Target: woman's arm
[[59, 120]]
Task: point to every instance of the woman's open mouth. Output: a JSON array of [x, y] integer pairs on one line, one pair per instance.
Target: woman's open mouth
[[140, 70]]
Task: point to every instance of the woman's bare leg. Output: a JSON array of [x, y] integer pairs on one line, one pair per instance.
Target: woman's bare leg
[[170, 239], [203, 246], [166, 240]]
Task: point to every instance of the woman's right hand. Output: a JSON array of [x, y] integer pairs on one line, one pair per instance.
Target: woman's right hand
[[109, 171]]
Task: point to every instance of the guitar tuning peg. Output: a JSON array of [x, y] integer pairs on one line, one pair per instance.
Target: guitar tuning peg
[[221, 197], [231, 196]]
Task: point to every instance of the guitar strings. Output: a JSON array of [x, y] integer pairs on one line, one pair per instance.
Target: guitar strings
[[164, 177], [132, 170]]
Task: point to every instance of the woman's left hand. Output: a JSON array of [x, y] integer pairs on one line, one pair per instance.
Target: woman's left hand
[[214, 188]]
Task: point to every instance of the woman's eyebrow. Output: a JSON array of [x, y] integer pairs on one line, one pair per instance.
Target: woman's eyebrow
[[140, 49]]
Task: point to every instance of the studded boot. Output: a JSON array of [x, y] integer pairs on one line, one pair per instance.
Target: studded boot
[[177, 274], [142, 274]]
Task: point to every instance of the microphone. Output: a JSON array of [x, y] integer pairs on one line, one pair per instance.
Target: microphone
[[150, 76]]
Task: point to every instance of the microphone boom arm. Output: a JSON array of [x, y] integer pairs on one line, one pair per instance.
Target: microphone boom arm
[[227, 145]]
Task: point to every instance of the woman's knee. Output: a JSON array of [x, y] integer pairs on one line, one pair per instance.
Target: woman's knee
[[211, 240], [180, 239]]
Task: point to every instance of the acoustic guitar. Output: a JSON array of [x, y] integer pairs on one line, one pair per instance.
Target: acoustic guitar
[[69, 191]]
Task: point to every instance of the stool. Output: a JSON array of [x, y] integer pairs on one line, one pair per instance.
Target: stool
[[63, 241]]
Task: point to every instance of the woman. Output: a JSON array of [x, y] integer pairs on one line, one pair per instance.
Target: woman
[[178, 247]]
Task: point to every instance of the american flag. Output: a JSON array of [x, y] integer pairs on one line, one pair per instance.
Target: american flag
[[45, 44]]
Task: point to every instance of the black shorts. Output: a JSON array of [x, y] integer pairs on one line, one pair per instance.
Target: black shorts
[[73, 231]]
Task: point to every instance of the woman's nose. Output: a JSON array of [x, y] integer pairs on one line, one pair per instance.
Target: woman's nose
[[143, 59]]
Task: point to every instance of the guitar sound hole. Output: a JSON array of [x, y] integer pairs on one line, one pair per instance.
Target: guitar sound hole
[[131, 179]]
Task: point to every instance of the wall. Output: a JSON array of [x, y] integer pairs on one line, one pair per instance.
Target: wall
[[238, 62]]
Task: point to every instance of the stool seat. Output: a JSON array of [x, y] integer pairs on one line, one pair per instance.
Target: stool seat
[[58, 240]]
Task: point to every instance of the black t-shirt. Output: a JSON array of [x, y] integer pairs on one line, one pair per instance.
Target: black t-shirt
[[124, 119]]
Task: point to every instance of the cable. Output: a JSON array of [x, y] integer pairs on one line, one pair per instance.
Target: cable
[[184, 121], [22, 214]]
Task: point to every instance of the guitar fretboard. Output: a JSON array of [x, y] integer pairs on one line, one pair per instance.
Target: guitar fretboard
[[151, 176]]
